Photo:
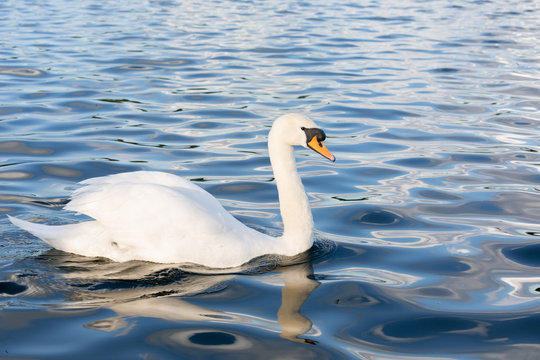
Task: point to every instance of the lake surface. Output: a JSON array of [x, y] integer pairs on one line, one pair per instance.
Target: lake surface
[[427, 224]]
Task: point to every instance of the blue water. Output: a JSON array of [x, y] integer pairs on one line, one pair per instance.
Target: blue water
[[427, 224]]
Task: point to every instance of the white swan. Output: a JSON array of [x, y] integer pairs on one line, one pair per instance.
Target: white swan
[[160, 217]]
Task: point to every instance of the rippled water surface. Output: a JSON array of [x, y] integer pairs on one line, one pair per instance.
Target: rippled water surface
[[427, 224]]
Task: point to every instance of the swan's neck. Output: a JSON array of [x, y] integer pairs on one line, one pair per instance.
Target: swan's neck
[[294, 204]]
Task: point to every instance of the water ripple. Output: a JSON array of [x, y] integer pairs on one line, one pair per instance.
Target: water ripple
[[25, 72], [427, 225]]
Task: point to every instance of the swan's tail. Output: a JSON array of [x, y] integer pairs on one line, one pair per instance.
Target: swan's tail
[[86, 238], [50, 234]]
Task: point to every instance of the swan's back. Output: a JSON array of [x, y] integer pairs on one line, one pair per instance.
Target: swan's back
[[151, 216]]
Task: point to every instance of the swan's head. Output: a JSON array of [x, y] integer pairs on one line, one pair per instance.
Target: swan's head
[[297, 129]]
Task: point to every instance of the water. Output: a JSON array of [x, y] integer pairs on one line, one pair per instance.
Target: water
[[427, 224]]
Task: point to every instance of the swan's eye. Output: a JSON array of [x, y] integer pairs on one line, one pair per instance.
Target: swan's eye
[[314, 132], [302, 128]]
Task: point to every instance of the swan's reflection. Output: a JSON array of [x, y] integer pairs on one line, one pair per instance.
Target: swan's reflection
[[139, 289], [298, 286]]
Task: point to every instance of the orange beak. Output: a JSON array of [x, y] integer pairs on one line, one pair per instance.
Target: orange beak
[[316, 145]]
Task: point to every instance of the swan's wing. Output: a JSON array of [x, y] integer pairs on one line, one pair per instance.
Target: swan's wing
[[141, 177], [167, 212], [105, 198]]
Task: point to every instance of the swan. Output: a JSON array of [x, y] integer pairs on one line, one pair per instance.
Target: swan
[[163, 218]]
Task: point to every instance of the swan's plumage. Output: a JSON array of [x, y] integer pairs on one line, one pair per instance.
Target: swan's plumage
[[152, 216], [160, 217]]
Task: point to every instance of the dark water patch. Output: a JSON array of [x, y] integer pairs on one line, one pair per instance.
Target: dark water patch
[[141, 64], [310, 64], [461, 109], [46, 150], [120, 101], [150, 118], [11, 288], [419, 135], [130, 135], [347, 127], [510, 176], [524, 254], [212, 338], [528, 105], [377, 218], [470, 208], [375, 175], [369, 147], [434, 195], [282, 50], [159, 278], [448, 44], [351, 294], [354, 197], [324, 184], [388, 19], [424, 328], [394, 36], [445, 70], [338, 75], [420, 162], [224, 114], [239, 343], [165, 62], [515, 121], [486, 63], [210, 125], [86, 106], [352, 255], [361, 219], [523, 326], [36, 96], [41, 335], [360, 149], [367, 94], [472, 158], [168, 139], [340, 40], [52, 203], [362, 80], [16, 110], [322, 250], [523, 91], [442, 266], [253, 147], [139, 146], [84, 169], [230, 58], [42, 95], [366, 113], [500, 43], [513, 205], [211, 99], [202, 75], [436, 292], [226, 167]]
